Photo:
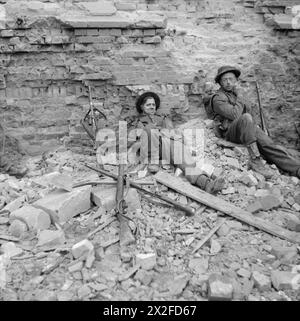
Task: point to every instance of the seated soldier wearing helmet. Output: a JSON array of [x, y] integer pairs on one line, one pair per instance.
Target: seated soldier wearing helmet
[[237, 125], [157, 143]]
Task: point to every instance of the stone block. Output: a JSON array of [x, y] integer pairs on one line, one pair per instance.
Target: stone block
[[219, 288], [248, 179], [59, 180], [51, 239], [76, 267], [10, 249], [269, 202], [99, 8], [261, 281], [124, 6], [81, 248], [147, 261], [282, 280], [199, 265], [62, 206], [254, 207], [35, 218], [232, 162], [15, 204], [17, 228], [106, 197], [293, 224], [154, 40], [285, 254]]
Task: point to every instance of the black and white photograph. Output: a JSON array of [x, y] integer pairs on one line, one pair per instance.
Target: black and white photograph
[[149, 155]]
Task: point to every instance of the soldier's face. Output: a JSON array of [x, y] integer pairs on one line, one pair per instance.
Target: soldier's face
[[228, 81], [149, 106]]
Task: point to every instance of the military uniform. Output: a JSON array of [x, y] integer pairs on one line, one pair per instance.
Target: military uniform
[[159, 141], [235, 124]]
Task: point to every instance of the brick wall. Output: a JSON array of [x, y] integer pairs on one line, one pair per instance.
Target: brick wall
[[49, 52]]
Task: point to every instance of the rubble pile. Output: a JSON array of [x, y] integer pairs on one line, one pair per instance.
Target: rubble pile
[[59, 238]]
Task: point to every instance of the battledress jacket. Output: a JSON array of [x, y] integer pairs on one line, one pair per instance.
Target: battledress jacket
[[228, 106]]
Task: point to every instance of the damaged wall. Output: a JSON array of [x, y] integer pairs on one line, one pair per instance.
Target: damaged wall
[[50, 50]]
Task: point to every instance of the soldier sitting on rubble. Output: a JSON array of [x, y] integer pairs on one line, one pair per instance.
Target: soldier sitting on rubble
[[164, 145], [236, 125]]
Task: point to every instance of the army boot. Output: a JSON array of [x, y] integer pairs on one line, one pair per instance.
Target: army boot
[[256, 162], [209, 185]]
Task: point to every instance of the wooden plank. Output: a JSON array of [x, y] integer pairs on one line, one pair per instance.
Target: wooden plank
[[225, 207], [208, 236]]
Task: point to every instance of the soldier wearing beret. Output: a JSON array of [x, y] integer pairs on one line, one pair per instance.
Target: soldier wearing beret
[[157, 143], [237, 125]]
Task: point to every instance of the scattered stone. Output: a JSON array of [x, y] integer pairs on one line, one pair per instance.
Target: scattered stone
[[17, 228], [76, 267], [199, 265], [223, 230], [51, 239], [215, 247], [81, 248], [15, 204], [106, 197], [233, 162], [207, 169], [248, 179], [4, 220], [62, 206], [178, 285], [145, 277], [147, 261], [59, 180], [254, 207], [229, 190], [262, 193], [285, 254], [84, 292], [10, 249], [261, 281], [35, 218], [283, 280], [90, 260], [244, 273], [219, 288], [270, 201], [293, 224]]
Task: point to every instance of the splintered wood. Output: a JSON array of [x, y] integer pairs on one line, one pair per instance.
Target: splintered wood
[[225, 207]]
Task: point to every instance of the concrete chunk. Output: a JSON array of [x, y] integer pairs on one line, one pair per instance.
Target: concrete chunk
[[147, 261], [106, 197], [283, 280], [62, 206], [261, 281], [219, 288], [10, 249], [51, 239], [270, 201], [17, 228], [59, 180], [99, 8], [248, 179], [35, 218], [15, 204], [82, 247]]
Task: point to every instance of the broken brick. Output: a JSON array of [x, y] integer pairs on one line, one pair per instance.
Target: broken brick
[[283, 280], [10, 249], [51, 239], [62, 206], [270, 201], [261, 281], [17, 228], [147, 261], [219, 288], [81, 248], [35, 218], [293, 224]]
